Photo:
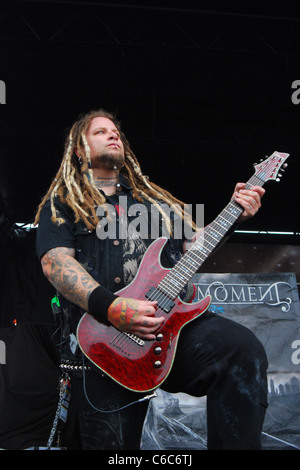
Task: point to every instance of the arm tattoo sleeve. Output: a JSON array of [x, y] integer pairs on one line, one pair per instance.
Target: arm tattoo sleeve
[[68, 276]]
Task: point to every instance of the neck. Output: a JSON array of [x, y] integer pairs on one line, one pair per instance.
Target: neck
[[106, 180]]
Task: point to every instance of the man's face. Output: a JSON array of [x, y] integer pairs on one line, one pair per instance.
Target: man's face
[[106, 147]]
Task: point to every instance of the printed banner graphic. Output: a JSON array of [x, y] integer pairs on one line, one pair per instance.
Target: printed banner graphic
[[268, 304]]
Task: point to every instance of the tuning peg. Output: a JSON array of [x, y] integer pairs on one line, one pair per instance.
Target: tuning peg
[[277, 179], [285, 165]]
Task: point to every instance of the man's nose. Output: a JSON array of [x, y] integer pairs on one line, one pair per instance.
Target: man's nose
[[113, 135]]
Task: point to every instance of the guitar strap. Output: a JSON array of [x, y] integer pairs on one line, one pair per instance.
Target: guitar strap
[[61, 414]]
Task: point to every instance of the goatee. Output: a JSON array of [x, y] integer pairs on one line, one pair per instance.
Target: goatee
[[109, 161]]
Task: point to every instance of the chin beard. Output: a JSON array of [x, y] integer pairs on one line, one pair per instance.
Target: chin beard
[[108, 161]]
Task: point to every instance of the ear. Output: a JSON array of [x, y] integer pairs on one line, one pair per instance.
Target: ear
[[78, 153]]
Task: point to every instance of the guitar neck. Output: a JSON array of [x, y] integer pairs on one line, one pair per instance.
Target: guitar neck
[[192, 260]]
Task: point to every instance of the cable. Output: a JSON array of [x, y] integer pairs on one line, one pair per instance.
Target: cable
[[146, 397]]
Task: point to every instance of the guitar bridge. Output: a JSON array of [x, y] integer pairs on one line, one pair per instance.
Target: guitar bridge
[[134, 338], [163, 302]]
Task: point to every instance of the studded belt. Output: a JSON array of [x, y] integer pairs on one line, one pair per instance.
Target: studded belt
[[68, 365]]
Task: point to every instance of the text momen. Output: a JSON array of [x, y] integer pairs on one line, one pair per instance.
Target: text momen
[[245, 294]]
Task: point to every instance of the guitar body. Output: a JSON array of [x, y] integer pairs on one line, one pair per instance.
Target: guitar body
[[136, 364]]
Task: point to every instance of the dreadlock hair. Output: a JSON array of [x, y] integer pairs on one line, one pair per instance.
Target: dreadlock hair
[[74, 182]]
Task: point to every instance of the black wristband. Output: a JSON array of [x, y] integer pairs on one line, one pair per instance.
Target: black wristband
[[98, 303]]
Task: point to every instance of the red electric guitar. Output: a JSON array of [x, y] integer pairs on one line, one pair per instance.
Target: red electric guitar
[[141, 365]]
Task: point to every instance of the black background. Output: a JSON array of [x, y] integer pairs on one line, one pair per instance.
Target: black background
[[203, 90]]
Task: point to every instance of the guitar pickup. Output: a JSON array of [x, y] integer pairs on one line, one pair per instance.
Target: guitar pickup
[[163, 301]]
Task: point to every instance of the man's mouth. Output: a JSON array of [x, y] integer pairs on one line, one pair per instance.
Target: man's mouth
[[114, 145]]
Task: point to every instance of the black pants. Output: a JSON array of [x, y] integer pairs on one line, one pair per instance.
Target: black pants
[[215, 357]]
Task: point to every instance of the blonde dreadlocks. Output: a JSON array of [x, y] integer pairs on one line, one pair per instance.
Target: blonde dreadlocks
[[74, 182]]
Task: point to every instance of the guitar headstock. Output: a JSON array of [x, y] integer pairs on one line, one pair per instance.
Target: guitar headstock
[[269, 169]]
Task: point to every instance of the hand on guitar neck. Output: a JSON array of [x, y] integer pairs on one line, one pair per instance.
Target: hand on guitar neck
[[249, 199]]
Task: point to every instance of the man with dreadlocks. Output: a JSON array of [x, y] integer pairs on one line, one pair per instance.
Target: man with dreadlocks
[[215, 356]]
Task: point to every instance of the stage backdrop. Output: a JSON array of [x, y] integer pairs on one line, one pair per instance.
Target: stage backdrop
[[268, 304]]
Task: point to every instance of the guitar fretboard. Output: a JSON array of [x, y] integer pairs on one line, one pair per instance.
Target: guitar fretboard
[[192, 260]]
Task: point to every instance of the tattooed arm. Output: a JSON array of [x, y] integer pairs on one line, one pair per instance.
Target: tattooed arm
[[75, 284], [68, 276]]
